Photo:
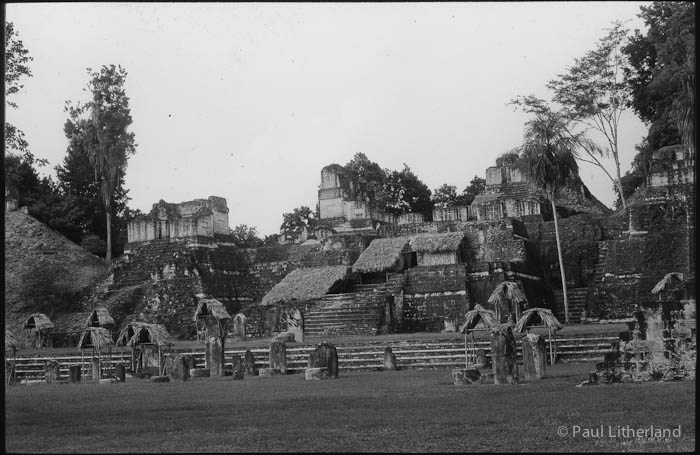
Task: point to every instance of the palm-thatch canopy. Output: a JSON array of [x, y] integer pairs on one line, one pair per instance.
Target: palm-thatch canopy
[[545, 316], [136, 333], [436, 243], [11, 342], [507, 290], [670, 282], [211, 307], [100, 317], [380, 255], [95, 337], [478, 316], [306, 284], [39, 322]]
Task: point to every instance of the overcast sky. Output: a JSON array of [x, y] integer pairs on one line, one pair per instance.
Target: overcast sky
[[250, 101]]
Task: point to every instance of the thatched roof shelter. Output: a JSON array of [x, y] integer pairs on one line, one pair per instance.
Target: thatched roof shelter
[[211, 307], [100, 317], [306, 284], [533, 314], [478, 316], [670, 282], [11, 342], [507, 290], [380, 255], [39, 322], [436, 243], [97, 338], [136, 333]]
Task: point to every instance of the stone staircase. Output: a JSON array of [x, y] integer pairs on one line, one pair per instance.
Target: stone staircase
[[577, 297], [354, 313], [342, 315], [352, 356]]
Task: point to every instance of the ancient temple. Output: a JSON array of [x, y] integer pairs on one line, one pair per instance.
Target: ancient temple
[[200, 217]]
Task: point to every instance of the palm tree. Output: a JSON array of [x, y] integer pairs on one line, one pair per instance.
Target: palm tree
[[548, 159]]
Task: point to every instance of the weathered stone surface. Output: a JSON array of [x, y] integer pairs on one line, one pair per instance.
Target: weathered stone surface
[[534, 357], [249, 363], [278, 356], [389, 360], [285, 337], [75, 374], [238, 325], [315, 373], [325, 356], [237, 367], [200, 373], [96, 368], [295, 324], [120, 372], [160, 379], [51, 371], [505, 367], [268, 371], [465, 376], [176, 367]]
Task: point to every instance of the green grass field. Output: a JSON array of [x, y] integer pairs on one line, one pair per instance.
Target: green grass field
[[414, 411]]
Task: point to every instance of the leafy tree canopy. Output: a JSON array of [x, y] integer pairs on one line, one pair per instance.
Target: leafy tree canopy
[[296, 220], [245, 236]]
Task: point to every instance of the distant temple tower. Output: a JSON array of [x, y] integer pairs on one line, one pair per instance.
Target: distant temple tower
[[341, 211], [508, 194], [200, 217]]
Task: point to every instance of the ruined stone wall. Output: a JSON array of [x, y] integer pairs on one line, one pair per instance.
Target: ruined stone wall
[[490, 241], [579, 236], [432, 294]]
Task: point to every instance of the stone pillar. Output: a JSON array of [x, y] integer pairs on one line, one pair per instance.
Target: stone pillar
[[534, 357], [51, 370], [389, 360], [239, 329], [249, 364], [95, 368], [120, 372], [278, 356], [295, 325], [176, 367], [75, 373], [237, 367], [505, 367], [325, 356], [215, 340]]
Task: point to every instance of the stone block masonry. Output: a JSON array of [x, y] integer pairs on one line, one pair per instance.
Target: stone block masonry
[[433, 294]]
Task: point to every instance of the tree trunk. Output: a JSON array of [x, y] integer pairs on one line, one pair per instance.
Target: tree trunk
[[108, 210], [561, 261], [619, 181]]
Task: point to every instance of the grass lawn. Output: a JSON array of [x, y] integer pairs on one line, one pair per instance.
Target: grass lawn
[[412, 410]]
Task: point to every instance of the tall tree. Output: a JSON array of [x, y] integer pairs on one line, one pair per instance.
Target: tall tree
[[17, 60], [548, 159], [404, 192], [445, 196], [593, 95], [245, 236], [299, 218], [476, 185], [661, 74], [102, 127]]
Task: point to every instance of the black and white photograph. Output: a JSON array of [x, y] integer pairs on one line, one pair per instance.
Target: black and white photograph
[[350, 227]]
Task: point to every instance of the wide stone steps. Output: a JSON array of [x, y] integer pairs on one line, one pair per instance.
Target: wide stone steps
[[351, 356]]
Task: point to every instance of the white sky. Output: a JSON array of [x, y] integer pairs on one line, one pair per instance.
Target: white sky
[[250, 101]]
